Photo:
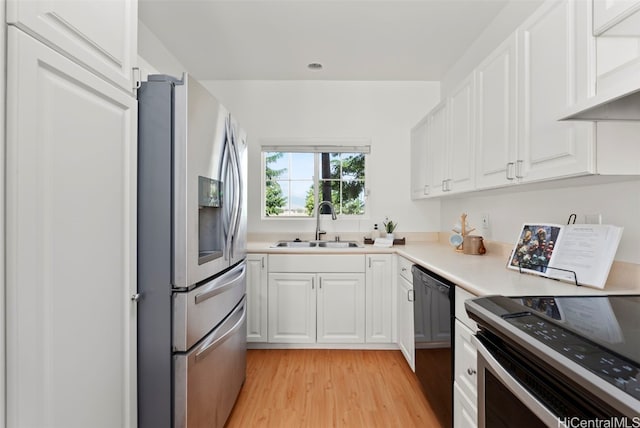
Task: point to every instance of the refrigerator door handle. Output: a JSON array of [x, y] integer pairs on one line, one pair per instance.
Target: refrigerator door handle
[[236, 318], [227, 157], [237, 191], [220, 288]]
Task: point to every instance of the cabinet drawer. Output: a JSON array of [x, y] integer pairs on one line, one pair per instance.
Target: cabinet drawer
[[316, 264], [404, 268], [461, 313]]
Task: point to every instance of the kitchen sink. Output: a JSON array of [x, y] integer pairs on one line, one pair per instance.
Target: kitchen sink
[[316, 244]]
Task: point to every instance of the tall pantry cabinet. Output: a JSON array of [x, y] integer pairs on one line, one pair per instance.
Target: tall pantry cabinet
[[71, 214]]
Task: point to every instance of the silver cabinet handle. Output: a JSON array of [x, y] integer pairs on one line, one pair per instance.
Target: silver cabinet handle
[[369, 261], [411, 295], [426, 189], [519, 165], [471, 371], [136, 297], [509, 170], [262, 262], [319, 282], [404, 269], [312, 283]]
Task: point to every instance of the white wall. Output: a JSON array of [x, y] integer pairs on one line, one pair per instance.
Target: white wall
[[380, 112], [618, 203]]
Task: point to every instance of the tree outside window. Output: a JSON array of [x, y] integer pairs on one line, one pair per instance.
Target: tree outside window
[[295, 181]]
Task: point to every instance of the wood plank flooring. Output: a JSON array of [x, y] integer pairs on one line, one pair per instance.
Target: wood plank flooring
[[330, 388]]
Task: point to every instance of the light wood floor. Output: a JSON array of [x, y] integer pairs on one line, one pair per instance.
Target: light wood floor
[[330, 388]]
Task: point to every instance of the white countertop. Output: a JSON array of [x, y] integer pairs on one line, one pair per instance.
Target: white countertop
[[480, 275]]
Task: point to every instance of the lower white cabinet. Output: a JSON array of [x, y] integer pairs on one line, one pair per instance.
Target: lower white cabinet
[[405, 312], [70, 243], [465, 395], [323, 308], [379, 298], [465, 413], [257, 297]]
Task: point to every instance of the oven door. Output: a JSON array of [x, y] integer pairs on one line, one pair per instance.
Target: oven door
[[503, 401]]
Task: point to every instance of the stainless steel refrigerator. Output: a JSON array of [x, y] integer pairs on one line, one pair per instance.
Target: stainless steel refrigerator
[[191, 255]]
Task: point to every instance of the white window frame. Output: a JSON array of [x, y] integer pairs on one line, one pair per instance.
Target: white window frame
[[266, 147]]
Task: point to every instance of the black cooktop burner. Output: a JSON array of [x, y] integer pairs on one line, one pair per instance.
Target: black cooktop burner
[[600, 333]]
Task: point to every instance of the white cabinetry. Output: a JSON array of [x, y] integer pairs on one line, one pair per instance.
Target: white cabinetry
[[442, 146], [71, 241], [436, 162], [257, 297], [554, 41], [419, 169], [316, 299], [379, 298], [100, 34], [461, 142], [496, 117], [465, 366], [616, 17], [292, 308], [405, 311]]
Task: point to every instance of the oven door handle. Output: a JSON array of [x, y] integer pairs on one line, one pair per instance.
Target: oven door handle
[[487, 361]]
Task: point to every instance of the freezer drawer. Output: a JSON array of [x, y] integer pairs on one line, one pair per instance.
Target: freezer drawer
[[209, 377], [198, 311]]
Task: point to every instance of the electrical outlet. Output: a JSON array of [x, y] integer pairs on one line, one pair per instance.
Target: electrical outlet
[[593, 218], [485, 220]]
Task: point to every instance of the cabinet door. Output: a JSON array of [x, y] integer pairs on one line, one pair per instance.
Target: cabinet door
[[292, 308], [437, 159], [554, 41], [612, 16], [379, 294], [496, 117], [419, 187], [465, 413], [257, 298], [405, 320], [461, 153], [71, 243], [465, 366], [340, 308], [101, 34]]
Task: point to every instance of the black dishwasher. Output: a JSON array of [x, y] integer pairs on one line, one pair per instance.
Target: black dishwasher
[[432, 311]]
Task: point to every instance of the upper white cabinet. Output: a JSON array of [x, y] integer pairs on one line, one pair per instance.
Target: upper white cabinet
[[461, 142], [102, 34], [616, 17], [554, 47], [70, 243], [496, 144], [437, 167], [442, 146], [419, 169]]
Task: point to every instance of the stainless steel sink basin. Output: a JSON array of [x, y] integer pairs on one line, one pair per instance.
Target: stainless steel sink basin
[[338, 244], [316, 244], [294, 244]]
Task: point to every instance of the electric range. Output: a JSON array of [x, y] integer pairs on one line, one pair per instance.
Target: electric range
[[591, 344]]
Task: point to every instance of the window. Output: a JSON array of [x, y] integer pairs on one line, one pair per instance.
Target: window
[[296, 177]]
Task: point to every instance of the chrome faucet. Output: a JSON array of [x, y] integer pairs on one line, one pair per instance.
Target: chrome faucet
[[333, 217]]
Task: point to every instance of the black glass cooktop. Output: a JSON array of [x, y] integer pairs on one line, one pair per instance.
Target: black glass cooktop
[[600, 333]]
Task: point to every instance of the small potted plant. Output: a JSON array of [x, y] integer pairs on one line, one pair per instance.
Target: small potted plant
[[389, 227]]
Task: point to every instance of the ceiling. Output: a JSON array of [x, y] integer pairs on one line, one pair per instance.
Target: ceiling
[[353, 40]]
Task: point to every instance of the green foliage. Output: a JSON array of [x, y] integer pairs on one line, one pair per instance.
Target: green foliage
[[274, 197]]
